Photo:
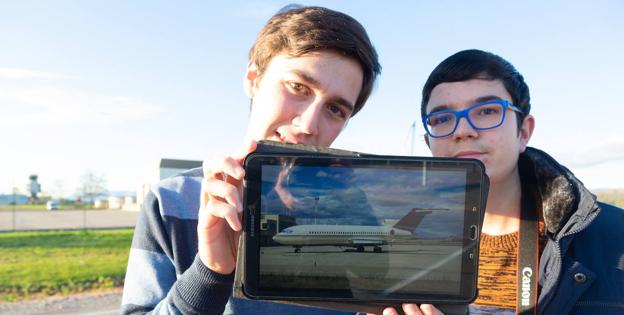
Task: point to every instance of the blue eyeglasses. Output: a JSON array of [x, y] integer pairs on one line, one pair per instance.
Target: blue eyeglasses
[[480, 116]]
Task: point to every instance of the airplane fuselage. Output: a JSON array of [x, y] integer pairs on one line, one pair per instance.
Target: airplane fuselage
[[357, 236], [340, 235]]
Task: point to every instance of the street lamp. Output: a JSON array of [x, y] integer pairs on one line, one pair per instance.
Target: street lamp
[[14, 203]]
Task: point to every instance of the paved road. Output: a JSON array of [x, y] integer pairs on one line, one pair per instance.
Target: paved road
[[95, 303], [66, 219]]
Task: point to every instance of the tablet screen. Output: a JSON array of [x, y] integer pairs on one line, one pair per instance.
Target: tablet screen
[[362, 228]]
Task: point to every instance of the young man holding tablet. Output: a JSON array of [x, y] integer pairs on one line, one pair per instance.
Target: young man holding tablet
[[310, 70]]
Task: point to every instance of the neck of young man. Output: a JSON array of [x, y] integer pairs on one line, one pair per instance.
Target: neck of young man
[[502, 213]]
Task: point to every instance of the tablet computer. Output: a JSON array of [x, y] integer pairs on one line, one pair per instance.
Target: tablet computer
[[368, 228]]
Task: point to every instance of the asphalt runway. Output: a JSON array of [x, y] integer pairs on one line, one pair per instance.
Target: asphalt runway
[[24, 220], [413, 267]]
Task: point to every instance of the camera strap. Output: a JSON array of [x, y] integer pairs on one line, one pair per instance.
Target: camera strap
[[528, 255]]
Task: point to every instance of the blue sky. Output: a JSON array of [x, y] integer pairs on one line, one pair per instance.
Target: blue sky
[[112, 86]]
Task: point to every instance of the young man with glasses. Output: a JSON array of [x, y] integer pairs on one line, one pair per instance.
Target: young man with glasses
[[476, 105]]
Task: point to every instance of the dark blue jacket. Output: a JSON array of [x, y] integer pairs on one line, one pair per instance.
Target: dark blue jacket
[[581, 270]]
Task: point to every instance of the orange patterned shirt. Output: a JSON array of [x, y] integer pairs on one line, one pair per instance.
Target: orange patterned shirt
[[498, 267]]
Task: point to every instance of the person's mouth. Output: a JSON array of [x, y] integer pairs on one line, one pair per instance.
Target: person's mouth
[[469, 155], [285, 139]]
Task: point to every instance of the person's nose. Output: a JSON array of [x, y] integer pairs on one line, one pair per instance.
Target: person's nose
[[308, 119], [464, 130]]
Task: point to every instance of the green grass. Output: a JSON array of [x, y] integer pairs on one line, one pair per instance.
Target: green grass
[[33, 264], [24, 207]]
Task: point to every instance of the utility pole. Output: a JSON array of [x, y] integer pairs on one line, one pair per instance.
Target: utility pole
[[14, 204], [413, 138], [316, 201]]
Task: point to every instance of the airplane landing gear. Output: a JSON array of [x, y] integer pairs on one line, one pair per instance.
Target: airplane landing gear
[[360, 248], [377, 249], [297, 250]]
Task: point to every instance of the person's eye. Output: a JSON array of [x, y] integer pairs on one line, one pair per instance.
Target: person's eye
[[298, 88], [485, 111], [337, 111], [438, 119]]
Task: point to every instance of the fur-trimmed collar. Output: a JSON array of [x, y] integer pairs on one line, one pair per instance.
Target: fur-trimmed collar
[[562, 194]]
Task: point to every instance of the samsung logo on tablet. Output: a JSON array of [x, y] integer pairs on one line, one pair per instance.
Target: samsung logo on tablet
[[527, 272], [252, 219]]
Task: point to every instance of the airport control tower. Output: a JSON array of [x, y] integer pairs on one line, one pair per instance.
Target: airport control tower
[[34, 187]]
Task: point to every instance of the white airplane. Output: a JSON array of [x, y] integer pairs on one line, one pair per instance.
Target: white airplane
[[356, 236]]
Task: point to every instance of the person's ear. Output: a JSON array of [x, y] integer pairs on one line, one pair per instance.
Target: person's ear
[[526, 131], [426, 136], [251, 79]]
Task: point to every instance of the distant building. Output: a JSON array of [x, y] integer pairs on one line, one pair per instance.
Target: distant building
[[11, 199], [142, 191], [271, 224], [170, 167], [166, 168], [121, 202], [115, 203], [100, 204], [130, 204]]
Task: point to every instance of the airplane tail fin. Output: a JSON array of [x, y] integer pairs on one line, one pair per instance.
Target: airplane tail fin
[[411, 220]]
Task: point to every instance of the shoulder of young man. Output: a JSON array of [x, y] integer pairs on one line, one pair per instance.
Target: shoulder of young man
[[613, 215], [604, 230], [178, 195]]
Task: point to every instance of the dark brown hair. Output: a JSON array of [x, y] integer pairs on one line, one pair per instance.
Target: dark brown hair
[[302, 30], [477, 64]]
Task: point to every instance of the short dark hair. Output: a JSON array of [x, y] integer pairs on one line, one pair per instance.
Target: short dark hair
[[477, 64], [297, 31]]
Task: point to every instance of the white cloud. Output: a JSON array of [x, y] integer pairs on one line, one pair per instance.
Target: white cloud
[[587, 155], [16, 73], [31, 102]]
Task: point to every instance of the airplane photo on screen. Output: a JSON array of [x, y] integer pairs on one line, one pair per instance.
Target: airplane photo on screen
[[361, 227], [356, 236], [353, 208]]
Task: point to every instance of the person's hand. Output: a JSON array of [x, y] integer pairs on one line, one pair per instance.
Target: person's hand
[[221, 206], [282, 191], [414, 309]]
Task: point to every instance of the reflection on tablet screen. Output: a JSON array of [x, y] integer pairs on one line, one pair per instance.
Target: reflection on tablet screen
[[373, 230]]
